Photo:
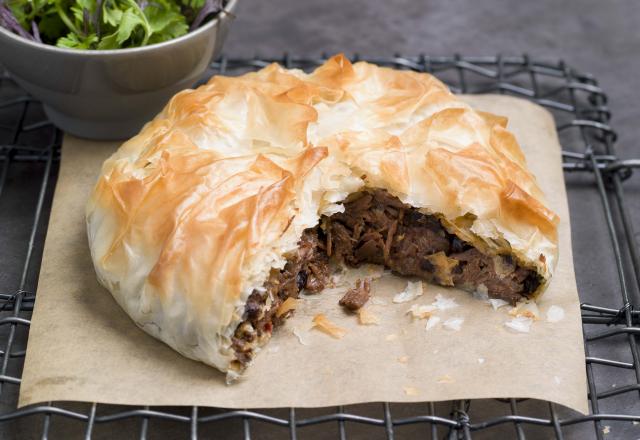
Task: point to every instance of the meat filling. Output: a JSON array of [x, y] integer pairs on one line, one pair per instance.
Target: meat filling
[[377, 228], [307, 269], [357, 297]]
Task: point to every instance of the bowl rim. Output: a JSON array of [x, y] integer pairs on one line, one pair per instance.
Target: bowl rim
[[226, 11]]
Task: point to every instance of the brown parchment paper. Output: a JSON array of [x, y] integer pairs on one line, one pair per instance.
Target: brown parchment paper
[[83, 347]]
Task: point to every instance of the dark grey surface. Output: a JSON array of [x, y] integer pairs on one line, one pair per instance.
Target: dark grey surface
[[600, 37]]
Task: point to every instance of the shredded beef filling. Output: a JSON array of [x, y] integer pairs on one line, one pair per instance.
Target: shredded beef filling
[[307, 269], [378, 228], [357, 297]]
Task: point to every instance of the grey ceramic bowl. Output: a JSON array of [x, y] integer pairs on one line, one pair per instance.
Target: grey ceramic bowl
[[110, 94]]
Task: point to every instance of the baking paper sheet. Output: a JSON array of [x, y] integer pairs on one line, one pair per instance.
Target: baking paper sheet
[[83, 347]]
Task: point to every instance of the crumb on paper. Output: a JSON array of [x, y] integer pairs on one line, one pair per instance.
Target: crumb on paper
[[529, 309], [555, 314], [298, 334], [273, 349], [289, 304], [521, 324], [557, 380], [432, 322], [445, 379], [356, 297], [322, 323], [365, 317], [403, 359], [606, 429], [420, 312], [411, 391], [391, 337], [481, 360], [443, 303], [497, 303], [526, 309], [413, 290], [635, 422], [454, 324]]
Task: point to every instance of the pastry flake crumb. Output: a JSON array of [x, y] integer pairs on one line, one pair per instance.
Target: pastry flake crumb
[[555, 314], [391, 337], [606, 429], [298, 334], [420, 312], [557, 380], [322, 323], [288, 305], [413, 290], [481, 360], [403, 359], [445, 379], [444, 303], [365, 317], [411, 391], [526, 309], [521, 324], [454, 324], [432, 322], [529, 309]]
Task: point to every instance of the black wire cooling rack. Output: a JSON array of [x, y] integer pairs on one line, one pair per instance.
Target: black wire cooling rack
[[29, 155]]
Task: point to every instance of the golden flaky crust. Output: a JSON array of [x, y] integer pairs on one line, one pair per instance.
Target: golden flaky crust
[[189, 216]]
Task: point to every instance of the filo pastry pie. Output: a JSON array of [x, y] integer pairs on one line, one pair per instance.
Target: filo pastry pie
[[240, 193]]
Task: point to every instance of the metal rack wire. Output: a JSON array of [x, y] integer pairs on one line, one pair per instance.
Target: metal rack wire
[[29, 154]]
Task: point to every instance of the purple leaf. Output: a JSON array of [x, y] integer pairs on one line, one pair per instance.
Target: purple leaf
[[209, 7], [86, 18], [36, 32], [98, 17], [9, 21]]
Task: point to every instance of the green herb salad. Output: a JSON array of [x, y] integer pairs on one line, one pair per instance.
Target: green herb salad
[[104, 24]]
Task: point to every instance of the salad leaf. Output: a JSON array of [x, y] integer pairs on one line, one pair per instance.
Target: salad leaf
[[11, 22], [51, 27], [104, 24], [129, 23], [209, 7], [73, 41]]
